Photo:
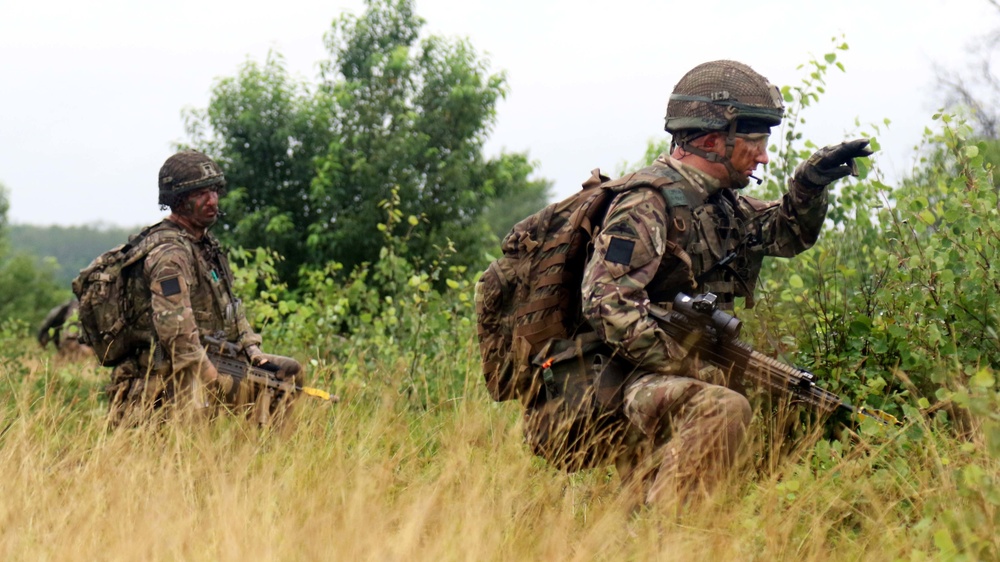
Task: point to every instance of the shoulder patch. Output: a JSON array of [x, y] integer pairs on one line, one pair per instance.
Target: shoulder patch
[[170, 287], [620, 251]]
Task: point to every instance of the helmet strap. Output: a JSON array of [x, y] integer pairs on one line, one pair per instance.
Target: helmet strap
[[737, 179]]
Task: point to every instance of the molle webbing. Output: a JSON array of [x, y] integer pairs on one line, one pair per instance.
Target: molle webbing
[[551, 309]]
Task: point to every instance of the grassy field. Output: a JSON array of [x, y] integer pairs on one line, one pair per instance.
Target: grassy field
[[381, 476]]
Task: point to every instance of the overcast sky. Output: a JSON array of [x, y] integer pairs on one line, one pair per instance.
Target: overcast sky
[[91, 91]]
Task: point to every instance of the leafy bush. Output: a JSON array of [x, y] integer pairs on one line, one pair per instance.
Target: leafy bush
[[399, 310]]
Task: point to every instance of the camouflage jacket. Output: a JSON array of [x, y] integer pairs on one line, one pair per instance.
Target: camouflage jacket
[[634, 262], [189, 287]]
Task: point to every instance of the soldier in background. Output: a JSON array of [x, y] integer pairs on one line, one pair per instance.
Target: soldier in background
[[682, 430], [185, 285], [61, 328]]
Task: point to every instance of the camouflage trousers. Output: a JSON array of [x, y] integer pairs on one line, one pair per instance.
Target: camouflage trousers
[[139, 394], [672, 438], [683, 438]]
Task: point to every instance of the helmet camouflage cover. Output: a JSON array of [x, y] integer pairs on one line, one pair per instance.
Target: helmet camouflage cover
[[712, 95], [187, 171]]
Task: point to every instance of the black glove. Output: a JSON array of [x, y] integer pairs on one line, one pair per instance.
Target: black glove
[[831, 163]]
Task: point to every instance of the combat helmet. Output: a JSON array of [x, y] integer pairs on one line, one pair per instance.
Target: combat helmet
[[722, 95], [187, 171]]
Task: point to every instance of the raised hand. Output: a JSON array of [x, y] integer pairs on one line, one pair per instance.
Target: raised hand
[[831, 163]]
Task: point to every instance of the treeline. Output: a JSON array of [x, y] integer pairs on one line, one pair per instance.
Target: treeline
[[66, 249]]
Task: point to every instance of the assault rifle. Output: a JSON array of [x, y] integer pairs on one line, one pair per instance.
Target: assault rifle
[[229, 359], [698, 325]]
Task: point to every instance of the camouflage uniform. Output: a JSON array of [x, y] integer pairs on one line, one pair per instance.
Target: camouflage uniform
[[186, 285], [688, 428], [621, 387]]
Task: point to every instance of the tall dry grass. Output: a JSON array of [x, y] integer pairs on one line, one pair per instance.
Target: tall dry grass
[[380, 477]]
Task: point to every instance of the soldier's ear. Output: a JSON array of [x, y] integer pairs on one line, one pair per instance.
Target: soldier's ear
[[708, 141]]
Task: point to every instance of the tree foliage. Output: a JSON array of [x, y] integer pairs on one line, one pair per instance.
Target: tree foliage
[[27, 288], [309, 165], [265, 128], [893, 306]]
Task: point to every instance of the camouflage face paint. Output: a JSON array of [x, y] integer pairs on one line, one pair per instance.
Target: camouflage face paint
[[202, 207]]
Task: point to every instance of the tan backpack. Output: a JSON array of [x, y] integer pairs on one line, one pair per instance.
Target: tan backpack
[[108, 316], [532, 293]]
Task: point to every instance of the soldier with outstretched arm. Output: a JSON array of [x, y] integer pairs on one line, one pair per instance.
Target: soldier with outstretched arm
[[694, 233]]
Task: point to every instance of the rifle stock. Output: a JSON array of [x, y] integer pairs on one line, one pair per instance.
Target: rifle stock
[[228, 359], [703, 329]]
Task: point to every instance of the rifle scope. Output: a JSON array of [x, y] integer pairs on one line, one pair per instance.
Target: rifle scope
[[726, 325]]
